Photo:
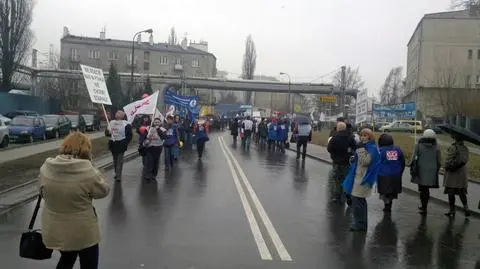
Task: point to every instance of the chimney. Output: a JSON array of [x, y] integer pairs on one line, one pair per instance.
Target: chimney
[[66, 32], [102, 34]]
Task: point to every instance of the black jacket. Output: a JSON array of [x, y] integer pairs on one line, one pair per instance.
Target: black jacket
[[341, 147]]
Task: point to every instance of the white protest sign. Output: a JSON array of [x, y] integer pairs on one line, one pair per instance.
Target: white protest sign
[[96, 86]]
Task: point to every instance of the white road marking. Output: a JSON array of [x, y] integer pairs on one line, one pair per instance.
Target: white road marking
[[282, 251], [257, 234]]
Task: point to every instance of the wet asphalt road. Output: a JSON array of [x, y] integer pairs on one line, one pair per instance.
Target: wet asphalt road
[[195, 217]]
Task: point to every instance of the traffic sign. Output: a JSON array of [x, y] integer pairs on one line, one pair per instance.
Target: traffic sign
[[328, 99], [297, 108]]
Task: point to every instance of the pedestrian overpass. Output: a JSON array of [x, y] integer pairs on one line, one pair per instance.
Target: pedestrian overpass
[[205, 83]]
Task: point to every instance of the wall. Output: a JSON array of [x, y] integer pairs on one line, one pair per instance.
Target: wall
[[12, 102], [445, 46]]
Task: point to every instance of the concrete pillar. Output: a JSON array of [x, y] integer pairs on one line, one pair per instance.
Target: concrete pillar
[[34, 80], [468, 123]]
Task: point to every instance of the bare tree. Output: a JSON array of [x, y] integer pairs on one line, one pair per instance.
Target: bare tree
[[392, 90], [353, 81], [249, 64], [465, 4], [15, 37]]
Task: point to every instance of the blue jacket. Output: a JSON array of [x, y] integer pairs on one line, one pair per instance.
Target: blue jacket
[[282, 132], [201, 133], [372, 171], [392, 161], [170, 135], [272, 132]]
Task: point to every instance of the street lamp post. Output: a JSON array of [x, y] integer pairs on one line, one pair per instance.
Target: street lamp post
[[289, 90], [133, 56]]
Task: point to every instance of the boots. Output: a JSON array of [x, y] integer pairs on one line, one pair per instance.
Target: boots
[[451, 212]]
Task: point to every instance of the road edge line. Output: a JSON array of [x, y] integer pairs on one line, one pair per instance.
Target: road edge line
[[10, 207], [277, 241], [254, 227]]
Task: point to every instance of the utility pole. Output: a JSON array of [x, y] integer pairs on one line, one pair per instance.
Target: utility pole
[[342, 96]]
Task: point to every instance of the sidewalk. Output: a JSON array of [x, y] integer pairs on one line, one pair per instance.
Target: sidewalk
[[22, 152], [24, 193], [320, 153]]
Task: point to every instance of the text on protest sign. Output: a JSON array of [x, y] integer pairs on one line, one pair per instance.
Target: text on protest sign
[[96, 86]]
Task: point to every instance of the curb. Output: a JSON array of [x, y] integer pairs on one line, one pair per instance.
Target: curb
[[405, 189], [9, 207]]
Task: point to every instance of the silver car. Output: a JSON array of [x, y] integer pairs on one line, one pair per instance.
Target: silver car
[[4, 131]]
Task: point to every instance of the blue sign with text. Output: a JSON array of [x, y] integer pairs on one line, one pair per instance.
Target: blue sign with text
[[405, 111]]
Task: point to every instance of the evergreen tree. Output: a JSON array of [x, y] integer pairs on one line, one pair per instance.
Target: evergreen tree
[[147, 88], [114, 87]]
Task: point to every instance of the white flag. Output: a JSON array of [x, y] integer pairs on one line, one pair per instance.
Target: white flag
[[145, 106]]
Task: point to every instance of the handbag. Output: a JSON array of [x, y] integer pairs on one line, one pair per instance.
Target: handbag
[[414, 164], [31, 242]]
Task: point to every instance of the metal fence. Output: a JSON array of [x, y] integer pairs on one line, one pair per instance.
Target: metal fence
[[11, 102]]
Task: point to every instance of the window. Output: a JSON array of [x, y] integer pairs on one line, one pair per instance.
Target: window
[[470, 54], [467, 81], [146, 65], [74, 54], [113, 55], [129, 59], [195, 63], [178, 61], [94, 54], [146, 56], [478, 54], [163, 60]]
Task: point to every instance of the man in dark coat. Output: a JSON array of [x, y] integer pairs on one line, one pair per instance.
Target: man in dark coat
[[340, 147], [334, 130]]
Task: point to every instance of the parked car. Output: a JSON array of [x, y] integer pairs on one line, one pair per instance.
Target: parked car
[[57, 125], [92, 122], [27, 129], [403, 126], [13, 114], [78, 122], [4, 133], [5, 119]]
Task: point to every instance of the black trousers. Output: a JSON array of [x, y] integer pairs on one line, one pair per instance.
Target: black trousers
[[200, 148], [88, 258], [424, 195], [302, 141], [152, 161]]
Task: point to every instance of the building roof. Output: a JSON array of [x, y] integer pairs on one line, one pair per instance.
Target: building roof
[[128, 44], [470, 14]]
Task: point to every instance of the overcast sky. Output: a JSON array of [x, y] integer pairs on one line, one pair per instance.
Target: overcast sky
[[305, 38]]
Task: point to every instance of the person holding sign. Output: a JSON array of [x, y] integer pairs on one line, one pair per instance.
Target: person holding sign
[[153, 144], [120, 133]]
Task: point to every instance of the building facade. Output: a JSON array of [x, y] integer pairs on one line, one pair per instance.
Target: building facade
[[443, 52], [190, 59]]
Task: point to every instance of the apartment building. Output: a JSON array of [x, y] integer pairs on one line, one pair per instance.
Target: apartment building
[[190, 59], [443, 61]]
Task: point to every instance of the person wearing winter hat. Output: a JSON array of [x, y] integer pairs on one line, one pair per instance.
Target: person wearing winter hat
[[424, 167]]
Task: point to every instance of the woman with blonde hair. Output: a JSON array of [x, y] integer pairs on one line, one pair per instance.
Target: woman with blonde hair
[[361, 178], [68, 184]]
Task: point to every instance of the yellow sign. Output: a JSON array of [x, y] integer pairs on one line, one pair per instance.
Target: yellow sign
[[297, 108], [328, 99]]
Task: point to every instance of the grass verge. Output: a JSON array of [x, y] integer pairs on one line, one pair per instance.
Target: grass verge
[[406, 143], [22, 170]]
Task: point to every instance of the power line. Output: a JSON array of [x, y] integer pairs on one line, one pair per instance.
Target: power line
[[327, 74]]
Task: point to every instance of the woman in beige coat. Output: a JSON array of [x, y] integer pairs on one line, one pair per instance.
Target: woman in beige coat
[[68, 184]]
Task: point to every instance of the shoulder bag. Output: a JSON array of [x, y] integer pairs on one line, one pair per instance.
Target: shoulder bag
[[31, 242]]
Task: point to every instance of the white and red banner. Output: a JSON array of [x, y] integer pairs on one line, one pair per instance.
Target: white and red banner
[[146, 105]]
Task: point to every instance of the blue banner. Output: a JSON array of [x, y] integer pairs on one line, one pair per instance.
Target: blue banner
[[183, 104], [405, 111]]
